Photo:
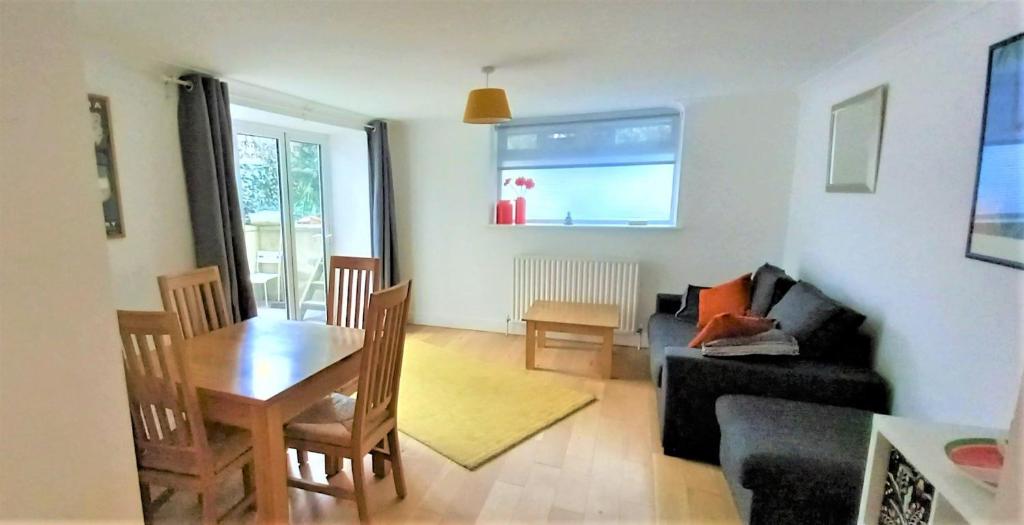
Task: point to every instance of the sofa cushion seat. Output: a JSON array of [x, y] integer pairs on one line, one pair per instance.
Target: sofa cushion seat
[[664, 329], [793, 450]]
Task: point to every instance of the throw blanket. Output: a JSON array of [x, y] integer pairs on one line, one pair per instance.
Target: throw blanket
[[771, 342]]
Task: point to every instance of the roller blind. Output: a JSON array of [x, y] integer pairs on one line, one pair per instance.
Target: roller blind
[[650, 137]]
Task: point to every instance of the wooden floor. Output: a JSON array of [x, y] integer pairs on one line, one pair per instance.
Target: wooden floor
[[602, 464]]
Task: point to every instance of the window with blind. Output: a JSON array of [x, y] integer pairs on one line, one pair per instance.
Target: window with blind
[[602, 169]]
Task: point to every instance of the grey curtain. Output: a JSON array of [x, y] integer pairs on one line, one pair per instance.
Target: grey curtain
[[382, 201], [204, 126]]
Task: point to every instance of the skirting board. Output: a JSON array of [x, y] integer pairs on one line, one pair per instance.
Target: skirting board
[[515, 327]]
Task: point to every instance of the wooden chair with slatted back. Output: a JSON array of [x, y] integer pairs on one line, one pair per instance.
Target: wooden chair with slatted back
[[350, 282], [197, 297], [174, 447], [345, 427]]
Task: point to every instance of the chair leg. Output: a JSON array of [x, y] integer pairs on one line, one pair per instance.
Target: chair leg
[[395, 451], [359, 484], [303, 456], [248, 481], [147, 503], [208, 502], [380, 467], [332, 465]]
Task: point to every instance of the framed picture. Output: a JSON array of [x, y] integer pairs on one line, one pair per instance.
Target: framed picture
[[996, 231], [855, 142], [106, 165]]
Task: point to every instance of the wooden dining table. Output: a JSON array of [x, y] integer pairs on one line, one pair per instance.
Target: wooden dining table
[[260, 373]]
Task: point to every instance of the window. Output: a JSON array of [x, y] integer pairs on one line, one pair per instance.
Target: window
[[603, 169]]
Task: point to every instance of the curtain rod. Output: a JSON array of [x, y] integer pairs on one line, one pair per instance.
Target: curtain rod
[[187, 84]]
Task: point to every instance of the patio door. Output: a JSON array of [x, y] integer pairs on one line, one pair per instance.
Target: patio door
[[280, 179]]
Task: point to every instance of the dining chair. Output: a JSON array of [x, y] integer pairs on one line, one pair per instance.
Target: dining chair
[[260, 277], [344, 427], [174, 447], [197, 297], [350, 282]]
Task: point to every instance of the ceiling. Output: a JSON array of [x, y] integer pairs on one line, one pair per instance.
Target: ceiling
[[406, 60]]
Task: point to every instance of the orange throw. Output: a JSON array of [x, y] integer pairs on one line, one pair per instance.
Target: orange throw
[[731, 325]]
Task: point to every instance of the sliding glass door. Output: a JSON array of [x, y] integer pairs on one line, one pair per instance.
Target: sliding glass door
[[281, 187]]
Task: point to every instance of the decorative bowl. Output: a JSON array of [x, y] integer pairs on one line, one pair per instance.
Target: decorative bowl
[[980, 458]]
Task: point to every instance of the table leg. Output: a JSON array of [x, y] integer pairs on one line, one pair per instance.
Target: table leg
[[271, 465], [606, 355], [531, 344]]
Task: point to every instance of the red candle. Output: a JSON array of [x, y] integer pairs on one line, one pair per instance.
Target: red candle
[[521, 210], [504, 212]]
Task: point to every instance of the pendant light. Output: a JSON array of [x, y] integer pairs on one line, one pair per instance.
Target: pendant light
[[487, 105]]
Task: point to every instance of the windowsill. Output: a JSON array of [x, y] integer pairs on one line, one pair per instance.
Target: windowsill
[[585, 226]]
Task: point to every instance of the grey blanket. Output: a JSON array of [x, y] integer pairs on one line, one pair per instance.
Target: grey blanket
[[771, 342]]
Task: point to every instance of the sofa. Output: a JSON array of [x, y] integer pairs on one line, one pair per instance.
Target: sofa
[[688, 384], [793, 462]]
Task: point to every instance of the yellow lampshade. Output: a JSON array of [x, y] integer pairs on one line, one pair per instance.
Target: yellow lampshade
[[487, 106]]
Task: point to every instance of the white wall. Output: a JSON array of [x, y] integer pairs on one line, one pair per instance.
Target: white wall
[[65, 437], [949, 328], [144, 123], [735, 180]]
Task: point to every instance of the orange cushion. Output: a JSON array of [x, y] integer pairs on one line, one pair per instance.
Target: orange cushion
[[731, 325], [732, 297]]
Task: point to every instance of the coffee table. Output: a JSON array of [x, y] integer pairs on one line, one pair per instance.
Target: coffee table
[[572, 318]]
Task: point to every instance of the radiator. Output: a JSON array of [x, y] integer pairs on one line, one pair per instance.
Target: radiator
[[576, 280]]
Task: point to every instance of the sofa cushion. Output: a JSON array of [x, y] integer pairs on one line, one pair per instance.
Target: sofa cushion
[[665, 330], [691, 303], [769, 285], [788, 446], [819, 323], [729, 297]]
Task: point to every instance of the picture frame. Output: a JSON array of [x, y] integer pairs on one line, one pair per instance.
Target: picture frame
[[106, 166], [996, 229], [855, 142]]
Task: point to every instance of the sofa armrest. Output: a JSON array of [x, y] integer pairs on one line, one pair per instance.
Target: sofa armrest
[[668, 303], [691, 383]]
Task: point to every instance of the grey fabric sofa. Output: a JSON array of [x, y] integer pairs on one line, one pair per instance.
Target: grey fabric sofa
[[793, 462], [688, 384]]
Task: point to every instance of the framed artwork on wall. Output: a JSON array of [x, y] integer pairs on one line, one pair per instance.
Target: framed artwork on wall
[[106, 165], [996, 231], [855, 142]]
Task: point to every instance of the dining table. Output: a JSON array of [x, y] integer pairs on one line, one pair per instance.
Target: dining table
[[258, 374]]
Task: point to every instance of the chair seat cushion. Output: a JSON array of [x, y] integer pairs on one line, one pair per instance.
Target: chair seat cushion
[[227, 443], [327, 421], [777, 443]]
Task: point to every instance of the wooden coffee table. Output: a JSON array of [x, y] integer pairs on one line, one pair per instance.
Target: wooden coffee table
[[572, 318]]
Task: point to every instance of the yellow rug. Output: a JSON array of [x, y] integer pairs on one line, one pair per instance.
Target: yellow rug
[[471, 411]]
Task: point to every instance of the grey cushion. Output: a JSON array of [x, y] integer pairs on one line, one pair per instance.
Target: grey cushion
[[690, 308], [770, 284], [819, 323]]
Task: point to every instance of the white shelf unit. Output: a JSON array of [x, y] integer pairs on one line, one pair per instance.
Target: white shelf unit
[[957, 499]]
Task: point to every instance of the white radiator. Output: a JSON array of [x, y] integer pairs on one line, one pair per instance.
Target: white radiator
[[576, 280]]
